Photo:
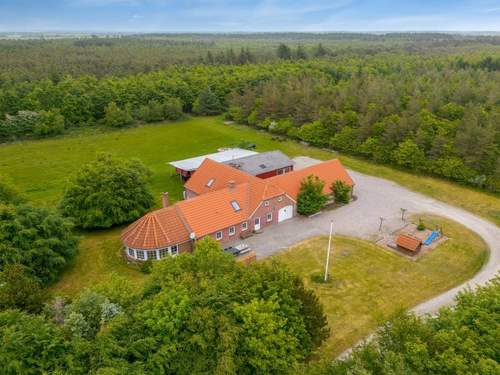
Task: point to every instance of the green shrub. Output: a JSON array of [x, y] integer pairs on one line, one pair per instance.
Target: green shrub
[[341, 191], [420, 225], [311, 199], [147, 266]]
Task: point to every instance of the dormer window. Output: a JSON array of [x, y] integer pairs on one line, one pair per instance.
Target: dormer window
[[210, 182], [236, 206]]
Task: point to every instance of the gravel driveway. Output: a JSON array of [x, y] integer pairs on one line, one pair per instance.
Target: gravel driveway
[[380, 198]]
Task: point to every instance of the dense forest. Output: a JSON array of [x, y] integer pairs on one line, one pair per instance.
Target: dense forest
[[398, 99]]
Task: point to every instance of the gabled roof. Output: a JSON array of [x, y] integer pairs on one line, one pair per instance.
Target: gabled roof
[[328, 171], [261, 163], [156, 229], [408, 242], [214, 211], [218, 174], [192, 164]]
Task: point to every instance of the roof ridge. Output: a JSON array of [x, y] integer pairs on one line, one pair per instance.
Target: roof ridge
[[136, 226], [183, 219], [158, 221]]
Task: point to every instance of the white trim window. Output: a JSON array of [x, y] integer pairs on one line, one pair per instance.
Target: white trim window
[[151, 254], [174, 249], [232, 231], [218, 235], [164, 252], [140, 254], [131, 252], [269, 217], [266, 203], [280, 199], [244, 226]]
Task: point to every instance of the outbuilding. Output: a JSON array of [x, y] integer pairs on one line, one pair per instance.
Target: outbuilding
[[263, 165], [186, 167], [408, 243]]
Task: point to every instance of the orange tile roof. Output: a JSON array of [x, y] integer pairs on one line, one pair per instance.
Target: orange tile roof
[[328, 171], [156, 229], [211, 212], [408, 242], [220, 173]]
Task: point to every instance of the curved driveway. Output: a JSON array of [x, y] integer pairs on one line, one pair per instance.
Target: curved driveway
[[382, 198]]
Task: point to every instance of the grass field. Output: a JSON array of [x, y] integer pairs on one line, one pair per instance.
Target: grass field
[[100, 257], [369, 284], [40, 170]]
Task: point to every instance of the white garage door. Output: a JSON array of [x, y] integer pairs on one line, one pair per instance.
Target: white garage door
[[285, 213]]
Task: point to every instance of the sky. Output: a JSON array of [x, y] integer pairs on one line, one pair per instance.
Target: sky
[[248, 15]]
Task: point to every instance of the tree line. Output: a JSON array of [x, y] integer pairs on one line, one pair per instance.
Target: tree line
[[430, 114]]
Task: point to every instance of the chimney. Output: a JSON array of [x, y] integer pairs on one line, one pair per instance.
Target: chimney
[[164, 199], [231, 184]]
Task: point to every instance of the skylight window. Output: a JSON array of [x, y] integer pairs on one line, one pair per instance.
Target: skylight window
[[235, 206], [210, 182], [263, 166]]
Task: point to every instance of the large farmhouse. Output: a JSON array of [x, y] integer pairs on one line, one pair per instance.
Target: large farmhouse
[[225, 203]]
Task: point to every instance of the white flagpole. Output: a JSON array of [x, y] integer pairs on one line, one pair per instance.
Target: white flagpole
[[328, 253]]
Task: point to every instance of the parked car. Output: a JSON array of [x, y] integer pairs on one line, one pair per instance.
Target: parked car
[[237, 250]]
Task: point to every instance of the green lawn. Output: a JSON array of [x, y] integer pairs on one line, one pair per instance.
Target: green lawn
[[368, 284], [40, 170], [100, 257]]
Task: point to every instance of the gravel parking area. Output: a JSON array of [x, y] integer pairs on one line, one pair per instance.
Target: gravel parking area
[[377, 198]]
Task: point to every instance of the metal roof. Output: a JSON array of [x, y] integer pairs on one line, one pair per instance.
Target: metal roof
[[192, 164], [261, 163]]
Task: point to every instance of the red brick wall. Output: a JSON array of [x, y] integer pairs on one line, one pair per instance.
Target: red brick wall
[[274, 206], [275, 172], [262, 211], [225, 233], [186, 247]]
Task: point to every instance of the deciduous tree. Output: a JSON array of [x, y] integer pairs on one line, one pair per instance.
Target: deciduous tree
[[107, 192]]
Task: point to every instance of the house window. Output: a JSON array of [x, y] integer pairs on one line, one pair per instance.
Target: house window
[[257, 221], [131, 252], [174, 250], [163, 252], [266, 203], [280, 199], [269, 216], [244, 226], [140, 254], [232, 231], [210, 182], [218, 236], [151, 254], [235, 206]]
